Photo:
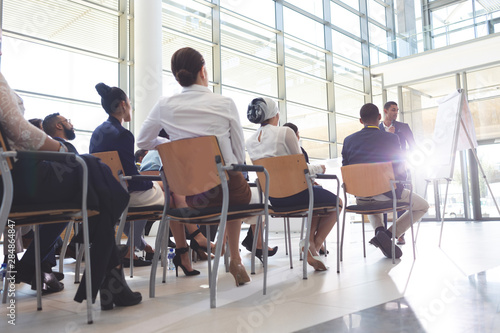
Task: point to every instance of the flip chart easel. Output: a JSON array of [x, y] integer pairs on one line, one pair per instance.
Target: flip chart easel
[[454, 131]]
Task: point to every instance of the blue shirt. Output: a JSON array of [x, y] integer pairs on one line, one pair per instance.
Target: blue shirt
[[111, 135]]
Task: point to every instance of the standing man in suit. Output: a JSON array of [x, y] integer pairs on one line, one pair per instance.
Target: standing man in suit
[[372, 145], [405, 135]]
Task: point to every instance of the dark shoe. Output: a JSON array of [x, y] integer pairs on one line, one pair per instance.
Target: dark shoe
[[115, 290], [248, 241], [122, 251], [178, 263], [50, 284], [138, 262], [202, 251], [270, 253], [47, 268], [321, 252], [384, 243], [401, 240], [171, 244]]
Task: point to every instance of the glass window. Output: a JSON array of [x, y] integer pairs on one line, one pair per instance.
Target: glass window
[[348, 75], [64, 22], [47, 70], [248, 38], [316, 150], [304, 28], [259, 10], [348, 102], [490, 162], [486, 117], [248, 74], [312, 123], [352, 3], [189, 17], [346, 47], [346, 126], [378, 36], [305, 90], [311, 6], [376, 11], [304, 59], [345, 19]]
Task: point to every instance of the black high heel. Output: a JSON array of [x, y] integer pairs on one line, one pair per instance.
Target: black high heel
[[178, 263], [115, 290], [248, 242], [270, 253], [202, 251]]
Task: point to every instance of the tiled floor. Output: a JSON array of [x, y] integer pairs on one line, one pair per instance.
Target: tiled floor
[[455, 288]]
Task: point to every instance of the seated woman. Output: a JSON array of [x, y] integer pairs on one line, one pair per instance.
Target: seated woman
[[269, 141], [43, 182], [111, 135], [196, 112]]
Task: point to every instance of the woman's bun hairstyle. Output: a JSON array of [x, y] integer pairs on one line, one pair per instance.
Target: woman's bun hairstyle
[[110, 97], [256, 112]]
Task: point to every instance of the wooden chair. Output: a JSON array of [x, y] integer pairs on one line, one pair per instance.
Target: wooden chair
[[37, 214], [130, 214], [367, 180], [289, 175], [193, 166]]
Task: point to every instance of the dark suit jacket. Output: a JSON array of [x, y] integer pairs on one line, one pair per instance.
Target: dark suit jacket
[[371, 145], [404, 134]]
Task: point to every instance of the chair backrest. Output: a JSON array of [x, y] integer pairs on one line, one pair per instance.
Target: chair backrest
[[189, 164], [286, 174], [112, 160], [367, 179], [5, 147]]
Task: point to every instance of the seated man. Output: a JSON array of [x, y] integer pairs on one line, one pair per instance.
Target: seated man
[[371, 145]]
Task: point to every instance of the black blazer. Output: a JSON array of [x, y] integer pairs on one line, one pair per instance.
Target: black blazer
[[371, 145], [404, 134]]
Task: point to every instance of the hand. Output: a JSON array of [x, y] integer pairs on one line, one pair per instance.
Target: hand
[[323, 168], [392, 129]]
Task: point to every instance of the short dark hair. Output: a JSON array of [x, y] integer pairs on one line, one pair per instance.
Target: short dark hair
[[292, 126], [50, 122], [185, 64], [140, 153], [389, 104], [36, 122], [369, 113]]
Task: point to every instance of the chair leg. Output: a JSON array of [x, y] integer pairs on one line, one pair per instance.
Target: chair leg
[[131, 248], [79, 258], [302, 234], [65, 246], [286, 239], [289, 241], [342, 237], [326, 250], [164, 224], [38, 268], [364, 240]]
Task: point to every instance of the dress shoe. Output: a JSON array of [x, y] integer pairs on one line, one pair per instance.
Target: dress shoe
[[384, 243], [270, 253], [178, 263], [321, 252], [239, 273], [47, 268], [115, 290], [50, 284], [314, 261]]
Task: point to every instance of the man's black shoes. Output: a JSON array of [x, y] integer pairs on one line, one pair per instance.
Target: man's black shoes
[[384, 243]]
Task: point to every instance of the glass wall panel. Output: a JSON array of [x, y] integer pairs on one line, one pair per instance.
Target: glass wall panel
[[486, 117], [352, 3], [378, 37], [260, 10], [248, 38], [304, 58], [490, 162], [248, 74], [348, 102], [189, 17], [47, 70], [312, 123], [304, 28], [376, 11], [316, 150], [346, 47], [61, 21], [311, 6], [242, 99], [345, 19], [305, 90], [348, 74], [346, 126]]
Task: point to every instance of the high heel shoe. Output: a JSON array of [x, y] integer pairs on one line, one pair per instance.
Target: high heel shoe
[[239, 273], [178, 262], [316, 261], [115, 290], [259, 254], [202, 251]]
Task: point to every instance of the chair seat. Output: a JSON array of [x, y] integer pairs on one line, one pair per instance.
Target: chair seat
[[212, 214], [145, 213], [300, 210], [376, 208], [41, 213]]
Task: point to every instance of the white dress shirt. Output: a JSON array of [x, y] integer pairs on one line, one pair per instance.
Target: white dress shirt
[[271, 141], [196, 112]]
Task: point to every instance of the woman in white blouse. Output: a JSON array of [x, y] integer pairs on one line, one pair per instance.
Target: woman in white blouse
[[196, 112], [271, 140]]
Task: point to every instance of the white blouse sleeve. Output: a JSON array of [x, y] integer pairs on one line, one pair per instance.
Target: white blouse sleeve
[[148, 136], [19, 132], [293, 146]]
